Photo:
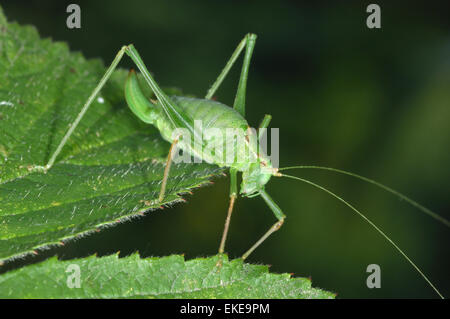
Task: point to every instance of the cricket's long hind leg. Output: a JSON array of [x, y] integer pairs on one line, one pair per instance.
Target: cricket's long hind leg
[[233, 195], [248, 42], [162, 191], [239, 100], [278, 214], [85, 107]]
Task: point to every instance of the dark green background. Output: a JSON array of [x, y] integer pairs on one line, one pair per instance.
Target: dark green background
[[375, 102]]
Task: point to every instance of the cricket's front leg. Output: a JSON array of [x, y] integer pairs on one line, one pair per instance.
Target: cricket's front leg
[[278, 214], [233, 195]]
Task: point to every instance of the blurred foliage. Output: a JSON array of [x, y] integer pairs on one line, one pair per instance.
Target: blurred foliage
[[375, 102]]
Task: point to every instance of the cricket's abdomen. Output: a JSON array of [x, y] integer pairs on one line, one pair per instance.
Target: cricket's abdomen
[[216, 120], [212, 114]]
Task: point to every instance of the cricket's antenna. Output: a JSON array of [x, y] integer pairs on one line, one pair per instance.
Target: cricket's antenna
[[370, 223], [420, 207]]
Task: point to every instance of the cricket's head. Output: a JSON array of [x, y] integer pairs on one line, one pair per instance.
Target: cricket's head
[[255, 177]]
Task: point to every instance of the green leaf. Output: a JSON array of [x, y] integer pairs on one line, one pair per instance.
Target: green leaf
[[110, 169], [166, 277]]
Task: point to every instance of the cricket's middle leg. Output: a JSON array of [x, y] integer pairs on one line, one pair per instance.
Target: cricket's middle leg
[[167, 169]]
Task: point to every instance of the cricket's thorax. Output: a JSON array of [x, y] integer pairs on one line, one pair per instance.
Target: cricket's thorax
[[227, 139], [223, 136]]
